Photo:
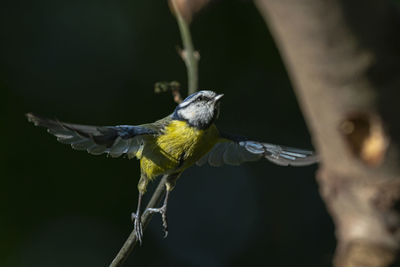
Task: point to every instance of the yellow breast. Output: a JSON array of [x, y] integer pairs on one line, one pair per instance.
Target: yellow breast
[[178, 148]]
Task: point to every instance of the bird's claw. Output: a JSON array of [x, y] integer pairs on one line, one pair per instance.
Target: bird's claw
[[163, 212], [138, 228]]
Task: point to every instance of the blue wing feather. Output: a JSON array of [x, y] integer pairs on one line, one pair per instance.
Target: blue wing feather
[[113, 140], [234, 150]]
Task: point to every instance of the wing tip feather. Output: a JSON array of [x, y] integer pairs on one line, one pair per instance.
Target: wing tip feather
[[32, 118]]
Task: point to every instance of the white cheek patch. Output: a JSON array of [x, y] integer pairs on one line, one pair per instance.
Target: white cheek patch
[[198, 114], [189, 112]]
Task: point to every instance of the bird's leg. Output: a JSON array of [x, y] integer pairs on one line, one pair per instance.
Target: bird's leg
[[137, 222], [163, 211], [169, 185], [137, 217]]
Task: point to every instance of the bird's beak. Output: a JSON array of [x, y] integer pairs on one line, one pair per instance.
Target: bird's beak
[[218, 97]]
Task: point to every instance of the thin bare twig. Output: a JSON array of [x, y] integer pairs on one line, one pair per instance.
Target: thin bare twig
[[190, 57], [188, 54]]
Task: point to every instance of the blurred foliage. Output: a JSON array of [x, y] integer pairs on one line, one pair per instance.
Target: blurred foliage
[[96, 62]]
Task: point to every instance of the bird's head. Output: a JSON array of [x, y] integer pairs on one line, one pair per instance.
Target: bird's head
[[199, 109]]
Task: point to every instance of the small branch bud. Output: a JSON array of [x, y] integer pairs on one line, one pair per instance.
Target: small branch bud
[[173, 87]]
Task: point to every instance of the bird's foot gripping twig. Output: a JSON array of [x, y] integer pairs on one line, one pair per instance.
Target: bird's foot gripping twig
[[138, 227], [163, 211]]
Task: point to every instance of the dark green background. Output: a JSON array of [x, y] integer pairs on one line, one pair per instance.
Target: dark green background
[[95, 62]]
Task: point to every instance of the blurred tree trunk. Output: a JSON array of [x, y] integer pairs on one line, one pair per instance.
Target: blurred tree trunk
[[343, 57]]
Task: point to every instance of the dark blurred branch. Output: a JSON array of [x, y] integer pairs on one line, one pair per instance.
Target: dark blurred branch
[[343, 58], [190, 58]]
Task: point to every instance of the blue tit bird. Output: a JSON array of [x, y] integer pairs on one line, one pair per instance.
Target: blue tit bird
[[173, 144]]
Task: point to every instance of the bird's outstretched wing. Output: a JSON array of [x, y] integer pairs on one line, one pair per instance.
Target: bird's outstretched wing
[[113, 140], [234, 150]]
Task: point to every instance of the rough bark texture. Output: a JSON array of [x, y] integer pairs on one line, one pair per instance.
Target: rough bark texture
[[343, 57]]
